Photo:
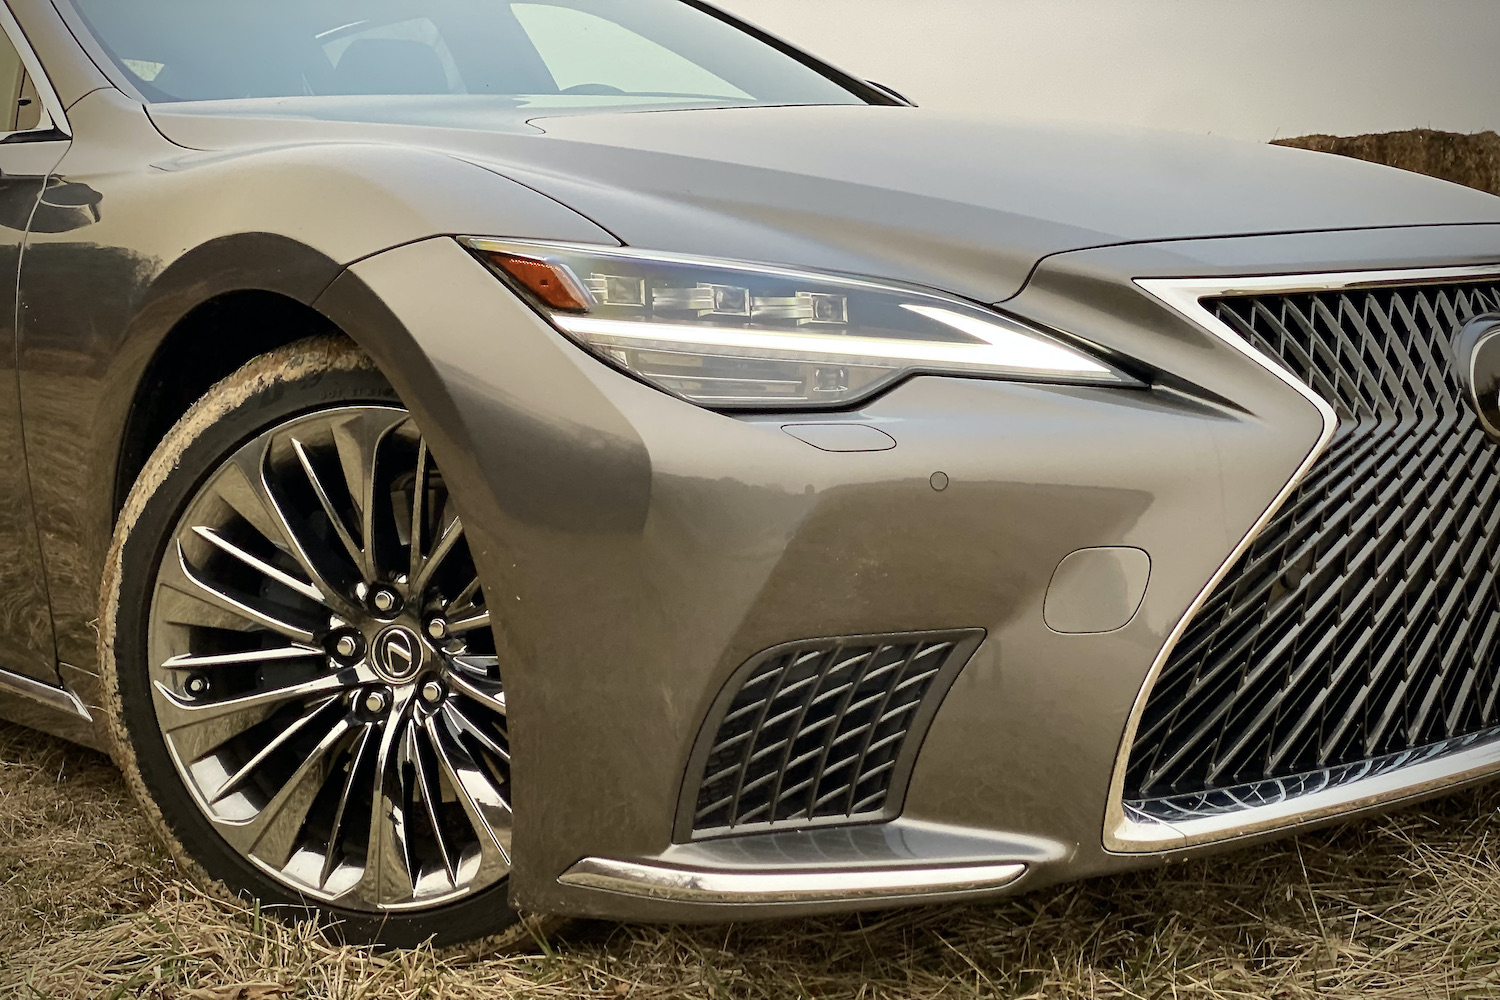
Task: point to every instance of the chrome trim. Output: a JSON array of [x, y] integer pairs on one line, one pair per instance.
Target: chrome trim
[[53, 697], [1411, 782], [54, 118], [684, 885], [85, 685], [1471, 392], [540, 248], [1124, 834]]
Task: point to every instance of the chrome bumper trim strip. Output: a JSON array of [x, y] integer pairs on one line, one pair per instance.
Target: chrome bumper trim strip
[[1127, 835], [1411, 782], [684, 885], [35, 690]]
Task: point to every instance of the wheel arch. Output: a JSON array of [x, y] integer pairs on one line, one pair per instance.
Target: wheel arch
[[206, 315]]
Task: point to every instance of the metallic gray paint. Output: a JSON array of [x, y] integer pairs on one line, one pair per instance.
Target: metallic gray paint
[[695, 540], [639, 549], [1096, 590], [890, 191]]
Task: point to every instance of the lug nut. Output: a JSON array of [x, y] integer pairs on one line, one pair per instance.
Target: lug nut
[[385, 600], [375, 702], [197, 686], [345, 646], [438, 629], [432, 692]]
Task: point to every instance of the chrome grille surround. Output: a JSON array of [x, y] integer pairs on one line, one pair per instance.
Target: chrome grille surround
[[1185, 817], [818, 732], [1190, 806]]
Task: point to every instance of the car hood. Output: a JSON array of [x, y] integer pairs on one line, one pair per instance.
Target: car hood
[[971, 206]]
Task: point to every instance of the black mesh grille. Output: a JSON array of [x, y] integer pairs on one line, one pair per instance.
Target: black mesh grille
[[821, 731], [1362, 622]]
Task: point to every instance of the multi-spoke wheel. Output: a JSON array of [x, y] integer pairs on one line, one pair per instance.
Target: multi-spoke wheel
[[309, 698]]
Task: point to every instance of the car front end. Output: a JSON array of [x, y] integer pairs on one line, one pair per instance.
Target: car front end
[[1029, 597]]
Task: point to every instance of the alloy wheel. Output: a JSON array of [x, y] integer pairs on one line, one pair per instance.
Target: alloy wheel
[[323, 669]]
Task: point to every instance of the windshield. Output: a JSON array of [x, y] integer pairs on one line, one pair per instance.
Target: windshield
[[537, 53]]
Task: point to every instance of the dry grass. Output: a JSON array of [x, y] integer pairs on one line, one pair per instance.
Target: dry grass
[[1404, 906]]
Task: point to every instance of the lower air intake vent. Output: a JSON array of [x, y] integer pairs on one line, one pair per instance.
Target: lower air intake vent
[[819, 732]]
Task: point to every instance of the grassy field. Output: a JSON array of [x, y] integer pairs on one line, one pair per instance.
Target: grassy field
[[1403, 906]]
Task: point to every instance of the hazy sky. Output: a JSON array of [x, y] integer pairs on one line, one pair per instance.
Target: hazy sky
[[1256, 69]]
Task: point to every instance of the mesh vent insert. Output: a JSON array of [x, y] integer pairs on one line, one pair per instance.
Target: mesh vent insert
[[820, 731], [1361, 624]]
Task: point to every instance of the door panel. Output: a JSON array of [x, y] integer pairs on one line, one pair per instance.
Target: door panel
[[26, 162]]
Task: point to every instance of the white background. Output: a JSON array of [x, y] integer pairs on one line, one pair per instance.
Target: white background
[[1255, 69]]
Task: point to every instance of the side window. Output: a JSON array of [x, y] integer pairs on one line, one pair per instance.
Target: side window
[[587, 54], [12, 74], [29, 106], [21, 110]]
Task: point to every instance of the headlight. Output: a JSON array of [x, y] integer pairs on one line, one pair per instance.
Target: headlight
[[729, 335]]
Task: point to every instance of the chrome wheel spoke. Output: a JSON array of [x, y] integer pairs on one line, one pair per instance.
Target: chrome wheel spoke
[[273, 833], [488, 812], [450, 537], [285, 621], [196, 728], [182, 712], [494, 700], [463, 724], [356, 441], [260, 565], [432, 799], [387, 876], [272, 522], [338, 718], [333, 849], [281, 739], [469, 624], [465, 599], [418, 517], [241, 484], [188, 661], [477, 665], [335, 519]]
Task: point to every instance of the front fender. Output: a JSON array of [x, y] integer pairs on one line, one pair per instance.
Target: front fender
[[165, 231]]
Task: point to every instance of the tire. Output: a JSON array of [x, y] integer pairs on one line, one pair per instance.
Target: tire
[[306, 705]]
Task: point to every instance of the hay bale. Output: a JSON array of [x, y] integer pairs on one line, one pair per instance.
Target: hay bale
[[1473, 160]]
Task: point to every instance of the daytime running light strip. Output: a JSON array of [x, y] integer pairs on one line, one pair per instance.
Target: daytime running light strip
[[1001, 347]]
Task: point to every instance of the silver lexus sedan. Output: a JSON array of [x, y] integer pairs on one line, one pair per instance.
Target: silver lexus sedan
[[467, 458]]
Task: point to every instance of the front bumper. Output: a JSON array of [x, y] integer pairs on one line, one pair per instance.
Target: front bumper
[[639, 550]]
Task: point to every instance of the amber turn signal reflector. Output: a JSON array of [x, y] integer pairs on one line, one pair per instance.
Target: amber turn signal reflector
[[551, 284]]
